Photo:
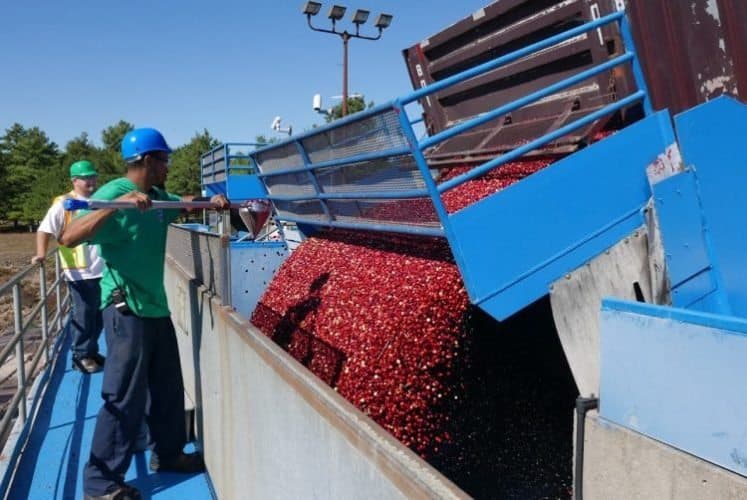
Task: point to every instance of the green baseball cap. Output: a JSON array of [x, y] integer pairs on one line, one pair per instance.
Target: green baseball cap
[[83, 168]]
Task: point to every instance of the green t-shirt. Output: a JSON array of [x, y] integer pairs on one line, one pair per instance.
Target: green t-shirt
[[133, 244]]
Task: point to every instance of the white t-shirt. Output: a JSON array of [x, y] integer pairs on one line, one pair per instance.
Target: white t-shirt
[[53, 224]]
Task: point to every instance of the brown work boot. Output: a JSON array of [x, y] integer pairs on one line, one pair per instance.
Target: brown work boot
[[185, 463], [87, 365], [125, 492]]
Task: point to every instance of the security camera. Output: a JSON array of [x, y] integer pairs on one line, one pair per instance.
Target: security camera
[[316, 104], [277, 128]]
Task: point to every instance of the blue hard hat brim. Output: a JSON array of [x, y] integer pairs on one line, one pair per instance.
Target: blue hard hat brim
[[139, 142]]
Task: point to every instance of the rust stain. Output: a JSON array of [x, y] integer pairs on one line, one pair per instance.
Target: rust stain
[[691, 52]]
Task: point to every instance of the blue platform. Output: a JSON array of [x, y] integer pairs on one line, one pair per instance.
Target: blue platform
[[51, 465]]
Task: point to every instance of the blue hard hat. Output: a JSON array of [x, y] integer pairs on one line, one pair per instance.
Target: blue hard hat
[[140, 141]]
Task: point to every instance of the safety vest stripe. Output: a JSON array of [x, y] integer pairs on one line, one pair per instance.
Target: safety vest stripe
[[76, 257]]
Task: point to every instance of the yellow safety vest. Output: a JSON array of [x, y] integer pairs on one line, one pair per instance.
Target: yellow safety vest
[[76, 257]]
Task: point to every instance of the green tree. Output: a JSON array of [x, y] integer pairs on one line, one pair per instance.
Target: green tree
[[109, 162], [3, 176], [51, 183], [79, 148], [355, 104], [263, 140], [56, 179], [27, 154], [184, 172]]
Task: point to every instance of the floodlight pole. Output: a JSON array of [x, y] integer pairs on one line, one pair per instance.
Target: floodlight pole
[[345, 37]]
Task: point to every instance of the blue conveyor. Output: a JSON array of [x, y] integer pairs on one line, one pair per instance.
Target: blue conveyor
[[368, 171]]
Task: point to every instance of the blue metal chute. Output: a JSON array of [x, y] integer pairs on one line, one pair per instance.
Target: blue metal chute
[[684, 364], [557, 219], [710, 137], [368, 171]]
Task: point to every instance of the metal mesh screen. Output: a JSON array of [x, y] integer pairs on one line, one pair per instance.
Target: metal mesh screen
[[296, 183], [410, 211], [377, 132], [395, 173], [201, 256], [311, 209], [279, 158]]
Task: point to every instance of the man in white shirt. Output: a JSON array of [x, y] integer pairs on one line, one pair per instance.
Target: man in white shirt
[[82, 267]]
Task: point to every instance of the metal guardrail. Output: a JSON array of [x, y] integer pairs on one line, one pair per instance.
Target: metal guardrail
[[368, 170], [50, 328]]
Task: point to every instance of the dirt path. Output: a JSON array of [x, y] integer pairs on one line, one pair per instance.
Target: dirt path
[[16, 250]]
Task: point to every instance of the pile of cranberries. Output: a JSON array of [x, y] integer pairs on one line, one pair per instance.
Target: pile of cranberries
[[472, 191], [381, 319], [385, 320]]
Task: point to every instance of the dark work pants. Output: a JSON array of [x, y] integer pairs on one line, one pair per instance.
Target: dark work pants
[[86, 317], [142, 366]]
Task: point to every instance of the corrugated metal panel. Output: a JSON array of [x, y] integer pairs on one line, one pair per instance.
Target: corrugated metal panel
[[691, 50], [498, 29], [203, 257]]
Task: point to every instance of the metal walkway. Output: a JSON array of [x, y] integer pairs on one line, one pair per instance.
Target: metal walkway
[[51, 465]]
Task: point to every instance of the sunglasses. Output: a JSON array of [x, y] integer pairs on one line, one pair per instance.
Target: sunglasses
[[162, 158]]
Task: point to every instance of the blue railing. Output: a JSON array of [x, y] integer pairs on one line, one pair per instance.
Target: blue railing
[[229, 169], [217, 163], [391, 128]]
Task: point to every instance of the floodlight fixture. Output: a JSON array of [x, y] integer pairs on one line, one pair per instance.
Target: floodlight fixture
[[360, 16], [311, 8], [383, 21], [336, 12]]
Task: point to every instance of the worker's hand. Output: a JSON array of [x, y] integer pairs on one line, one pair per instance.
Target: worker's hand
[[36, 259], [220, 201], [141, 200]]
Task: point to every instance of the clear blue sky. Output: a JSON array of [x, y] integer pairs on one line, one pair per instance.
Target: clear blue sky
[[184, 65]]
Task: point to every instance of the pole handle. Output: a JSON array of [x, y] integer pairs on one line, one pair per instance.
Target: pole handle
[[72, 204]]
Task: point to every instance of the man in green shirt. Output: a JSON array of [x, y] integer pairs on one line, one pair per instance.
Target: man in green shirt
[[143, 360]]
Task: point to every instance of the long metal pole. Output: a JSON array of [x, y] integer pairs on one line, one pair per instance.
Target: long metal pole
[[58, 291], [345, 38], [44, 312], [20, 367]]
